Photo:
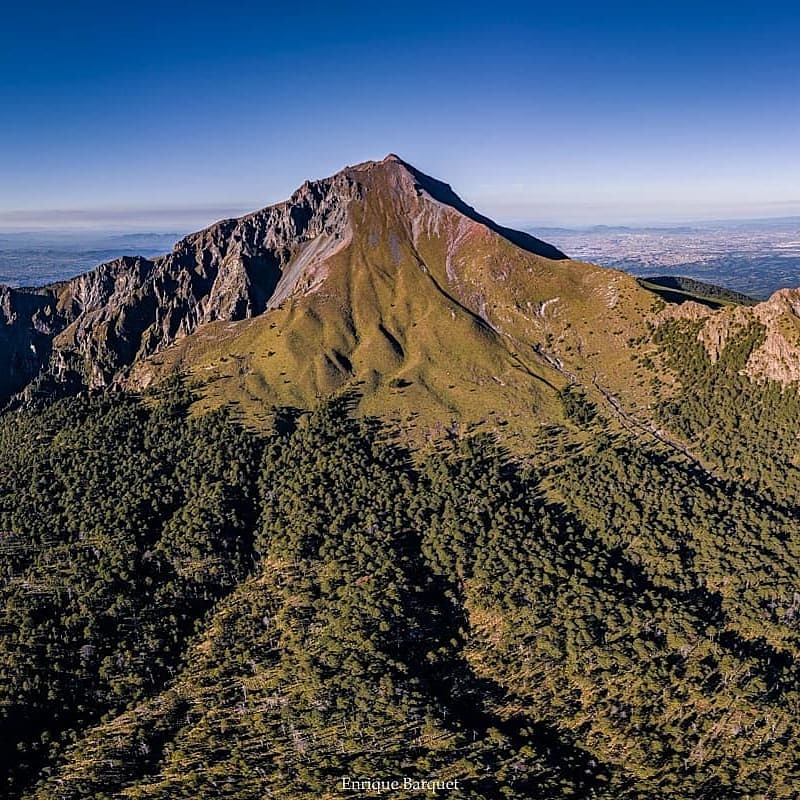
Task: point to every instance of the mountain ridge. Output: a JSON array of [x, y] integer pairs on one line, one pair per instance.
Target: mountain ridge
[[430, 505], [378, 279]]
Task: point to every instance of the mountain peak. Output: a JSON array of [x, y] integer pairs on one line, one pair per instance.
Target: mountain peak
[[376, 218], [389, 160], [406, 176]]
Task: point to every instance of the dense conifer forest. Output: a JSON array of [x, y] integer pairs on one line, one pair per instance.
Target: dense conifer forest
[[193, 609]]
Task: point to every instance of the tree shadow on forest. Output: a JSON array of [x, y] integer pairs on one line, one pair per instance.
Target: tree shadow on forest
[[432, 644]]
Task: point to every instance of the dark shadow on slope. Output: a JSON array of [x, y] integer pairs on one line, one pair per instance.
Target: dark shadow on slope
[[444, 194], [264, 271], [469, 702], [682, 290], [26, 319], [701, 289]]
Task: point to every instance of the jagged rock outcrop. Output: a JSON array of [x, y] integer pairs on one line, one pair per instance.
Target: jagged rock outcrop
[[777, 355], [98, 324]]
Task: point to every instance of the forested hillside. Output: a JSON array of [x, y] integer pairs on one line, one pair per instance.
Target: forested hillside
[[193, 609], [366, 486]]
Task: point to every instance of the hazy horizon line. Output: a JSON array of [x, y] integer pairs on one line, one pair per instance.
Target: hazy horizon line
[[183, 220]]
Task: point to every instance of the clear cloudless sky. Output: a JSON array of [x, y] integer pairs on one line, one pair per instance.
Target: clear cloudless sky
[[175, 113]]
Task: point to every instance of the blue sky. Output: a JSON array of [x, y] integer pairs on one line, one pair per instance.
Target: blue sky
[[173, 114]]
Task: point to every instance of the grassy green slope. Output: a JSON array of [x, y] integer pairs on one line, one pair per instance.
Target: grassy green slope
[[430, 317], [382, 323]]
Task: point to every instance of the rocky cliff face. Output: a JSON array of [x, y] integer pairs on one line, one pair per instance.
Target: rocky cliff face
[[95, 326], [777, 356]]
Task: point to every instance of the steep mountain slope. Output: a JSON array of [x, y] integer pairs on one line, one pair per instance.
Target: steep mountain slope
[[378, 279], [381, 282], [425, 307]]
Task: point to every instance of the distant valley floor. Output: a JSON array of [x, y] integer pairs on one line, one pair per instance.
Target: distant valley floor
[[754, 257]]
